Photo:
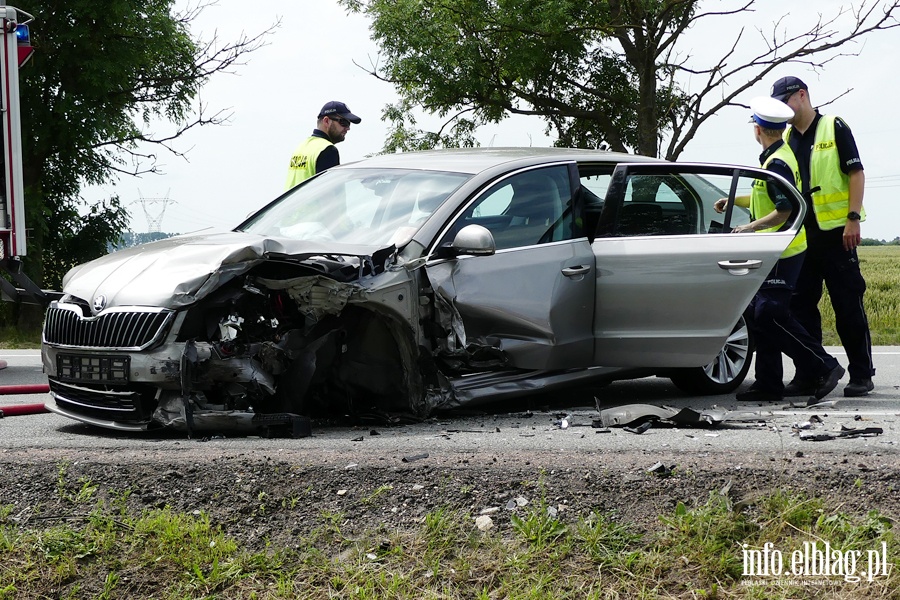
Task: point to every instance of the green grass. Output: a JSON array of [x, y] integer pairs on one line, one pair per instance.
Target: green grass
[[13, 339], [695, 551], [880, 266]]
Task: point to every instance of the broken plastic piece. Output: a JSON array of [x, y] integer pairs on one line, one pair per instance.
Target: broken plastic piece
[[638, 430], [661, 470], [632, 414], [413, 457], [845, 432]]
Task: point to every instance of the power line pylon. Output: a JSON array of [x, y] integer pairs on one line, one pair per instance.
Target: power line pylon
[[154, 219]]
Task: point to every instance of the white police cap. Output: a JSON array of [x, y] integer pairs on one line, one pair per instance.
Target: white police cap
[[770, 113]]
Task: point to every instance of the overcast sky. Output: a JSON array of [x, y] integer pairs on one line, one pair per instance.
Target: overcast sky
[[274, 99]]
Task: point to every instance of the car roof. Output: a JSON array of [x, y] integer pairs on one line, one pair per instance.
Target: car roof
[[476, 160]]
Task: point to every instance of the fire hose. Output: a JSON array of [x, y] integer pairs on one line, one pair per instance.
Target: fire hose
[[23, 409]]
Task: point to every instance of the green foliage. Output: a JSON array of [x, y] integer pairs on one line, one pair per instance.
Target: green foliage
[[599, 74], [405, 136], [707, 536], [603, 538], [879, 266], [695, 552], [131, 238], [100, 74], [539, 527], [551, 59]]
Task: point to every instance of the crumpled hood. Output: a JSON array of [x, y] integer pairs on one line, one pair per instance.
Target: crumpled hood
[[178, 271]]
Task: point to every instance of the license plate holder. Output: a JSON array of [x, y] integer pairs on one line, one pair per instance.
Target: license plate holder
[[92, 369]]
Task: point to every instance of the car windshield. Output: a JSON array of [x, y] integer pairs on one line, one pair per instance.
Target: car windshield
[[357, 206]]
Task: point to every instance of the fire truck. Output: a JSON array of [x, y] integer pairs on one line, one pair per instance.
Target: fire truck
[[15, 50]]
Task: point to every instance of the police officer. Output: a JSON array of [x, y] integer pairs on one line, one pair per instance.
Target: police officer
[[318, 152], [772, 321], [832, 172]]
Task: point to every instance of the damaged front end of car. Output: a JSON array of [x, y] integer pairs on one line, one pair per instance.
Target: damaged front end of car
[[267, 335]]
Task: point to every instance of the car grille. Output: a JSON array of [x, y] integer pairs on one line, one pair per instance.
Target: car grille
[[134, 328]]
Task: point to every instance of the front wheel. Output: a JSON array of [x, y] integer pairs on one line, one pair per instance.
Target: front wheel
[[726, 372]]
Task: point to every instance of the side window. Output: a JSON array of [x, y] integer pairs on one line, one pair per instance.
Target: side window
[[657, 205], [669, 204], [524, 209]]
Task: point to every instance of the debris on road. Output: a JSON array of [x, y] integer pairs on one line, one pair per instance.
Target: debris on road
[[845, 432], [414, 457], [661, 470], [639, 429], [632, 415]]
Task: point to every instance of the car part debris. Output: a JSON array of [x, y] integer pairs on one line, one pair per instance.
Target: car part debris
[[635, 414], [639, 429], [414, 457], [661, 470], [845, 432], [806, 425]]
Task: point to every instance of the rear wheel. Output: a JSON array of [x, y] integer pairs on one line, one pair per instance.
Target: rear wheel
[[726, 372]]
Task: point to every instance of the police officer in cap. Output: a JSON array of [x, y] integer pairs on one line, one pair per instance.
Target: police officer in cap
[[773, 324], [318, 152], [833, 181]]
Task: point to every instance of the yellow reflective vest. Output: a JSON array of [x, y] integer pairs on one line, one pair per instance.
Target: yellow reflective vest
[[832, 202], [303, 161], [761, 204]]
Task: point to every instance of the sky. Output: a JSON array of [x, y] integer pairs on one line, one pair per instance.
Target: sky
[[313, 57]]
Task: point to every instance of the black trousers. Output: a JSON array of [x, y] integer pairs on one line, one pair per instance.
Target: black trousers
[[778, 331], [827, 262]]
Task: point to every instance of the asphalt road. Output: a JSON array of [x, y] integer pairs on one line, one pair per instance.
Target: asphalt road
[[770, 430]]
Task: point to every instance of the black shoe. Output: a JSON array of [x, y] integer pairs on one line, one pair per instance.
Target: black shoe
[[800, 387], [859, 387], [753, 395], [829, 382]]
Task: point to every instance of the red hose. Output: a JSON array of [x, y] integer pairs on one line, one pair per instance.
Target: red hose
[[22, 409], [37, 388]]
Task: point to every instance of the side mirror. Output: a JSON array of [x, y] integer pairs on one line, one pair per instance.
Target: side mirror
[[474, 240]]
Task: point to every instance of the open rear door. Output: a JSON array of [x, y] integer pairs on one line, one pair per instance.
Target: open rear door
[[671, 280]]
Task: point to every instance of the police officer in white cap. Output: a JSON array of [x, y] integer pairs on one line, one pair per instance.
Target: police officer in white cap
[[775, 327]]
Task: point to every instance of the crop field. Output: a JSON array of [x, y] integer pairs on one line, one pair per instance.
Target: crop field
[[881, 268]]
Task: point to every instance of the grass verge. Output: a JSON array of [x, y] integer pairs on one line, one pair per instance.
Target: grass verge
[[784, 545]]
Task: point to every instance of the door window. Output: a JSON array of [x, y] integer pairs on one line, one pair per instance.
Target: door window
[[674, 203], [524, 209]]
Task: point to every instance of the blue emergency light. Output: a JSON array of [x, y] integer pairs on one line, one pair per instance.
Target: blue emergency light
[[23, 35]]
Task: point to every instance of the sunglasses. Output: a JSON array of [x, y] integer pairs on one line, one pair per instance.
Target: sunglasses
[[340, 121]]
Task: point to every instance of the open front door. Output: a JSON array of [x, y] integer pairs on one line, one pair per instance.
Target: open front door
[[671, 280], [528, 302]]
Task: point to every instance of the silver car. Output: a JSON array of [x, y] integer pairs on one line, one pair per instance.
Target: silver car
[[406, 283]]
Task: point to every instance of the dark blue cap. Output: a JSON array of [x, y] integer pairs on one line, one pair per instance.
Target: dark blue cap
[[335, 108], [785, 87]]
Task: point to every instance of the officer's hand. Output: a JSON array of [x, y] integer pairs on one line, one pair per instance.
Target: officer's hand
[[719, 206], [852, 235]]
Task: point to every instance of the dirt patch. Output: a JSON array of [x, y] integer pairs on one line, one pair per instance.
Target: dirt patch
[[259, 500]]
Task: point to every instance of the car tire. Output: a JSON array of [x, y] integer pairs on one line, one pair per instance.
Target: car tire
[[726, 372]]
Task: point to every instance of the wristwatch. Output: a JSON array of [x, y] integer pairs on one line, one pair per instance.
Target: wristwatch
[[853, 216]]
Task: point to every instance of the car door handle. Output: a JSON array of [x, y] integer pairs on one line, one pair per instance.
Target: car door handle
[[739, 267], [579, 270]]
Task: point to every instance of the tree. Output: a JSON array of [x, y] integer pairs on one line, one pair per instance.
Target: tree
[[101, 74], [602, 74]]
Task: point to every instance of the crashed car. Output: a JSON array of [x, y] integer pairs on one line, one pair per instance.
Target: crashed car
[[407, 283]]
